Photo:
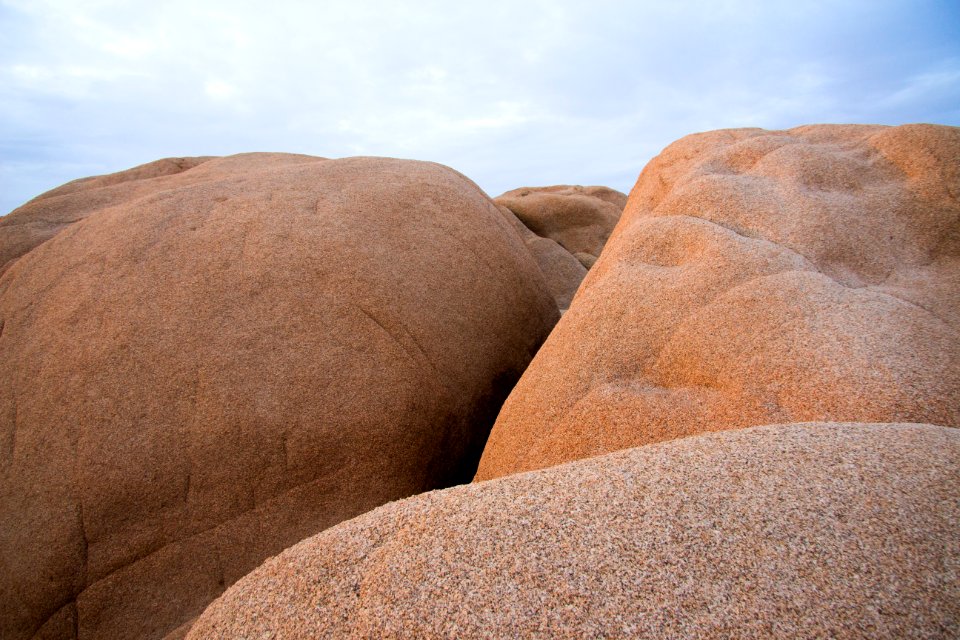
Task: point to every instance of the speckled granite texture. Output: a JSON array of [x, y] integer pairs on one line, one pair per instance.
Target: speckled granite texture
[[786, 531], [757, 277]]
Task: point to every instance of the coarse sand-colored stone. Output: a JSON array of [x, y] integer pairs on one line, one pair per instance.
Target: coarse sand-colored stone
[[217, 360], [49, 213], [579, 219], [561, 269], [757, 277], [565, 228], [782, 531]]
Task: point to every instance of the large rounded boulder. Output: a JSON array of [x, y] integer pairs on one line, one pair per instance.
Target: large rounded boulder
[[577, 218], [226, 358], [46, 215], [784, 531], [757, 277]]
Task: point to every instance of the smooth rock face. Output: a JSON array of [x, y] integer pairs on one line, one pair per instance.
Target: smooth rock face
[[565, 227], [46, 215], [219, 365], [784, 531], [757, 277]]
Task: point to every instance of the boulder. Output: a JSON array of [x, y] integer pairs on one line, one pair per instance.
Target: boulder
[[578, 218], [785, 531], [561, 226], [562, 271], [46, 215], [757, 277], [216, 362]]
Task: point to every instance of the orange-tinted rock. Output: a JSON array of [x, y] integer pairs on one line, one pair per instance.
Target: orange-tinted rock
[[586, 259], [562, 271], [216, 363], [46, 215], [578, 218], [784, 531], [565, 227], [757, 277]]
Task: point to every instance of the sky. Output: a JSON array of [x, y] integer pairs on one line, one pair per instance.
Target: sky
[[509, 93]]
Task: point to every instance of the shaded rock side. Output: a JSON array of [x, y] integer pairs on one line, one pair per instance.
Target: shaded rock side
[[564, 226], [562, 270], [757, 277], [578, 218], [197, 378], [786, 531]]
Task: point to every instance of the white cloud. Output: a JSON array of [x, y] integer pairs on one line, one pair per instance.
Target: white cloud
[[509, 93], [29, 72], [219, 90], [923, 86]]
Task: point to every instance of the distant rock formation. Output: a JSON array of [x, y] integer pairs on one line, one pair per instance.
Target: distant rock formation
[[578, 218], [792, 531], [757, 277], [562, 271], [565, 228], [224, 356]]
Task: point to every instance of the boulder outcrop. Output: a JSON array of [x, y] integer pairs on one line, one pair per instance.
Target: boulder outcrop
[[757, 277], [46, 215], [562, 271], [579, 219], [215, 362], [565, 227], [786, 531]]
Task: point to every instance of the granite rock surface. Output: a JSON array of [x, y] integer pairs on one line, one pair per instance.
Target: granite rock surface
[[565, 227], [757, 277], [214, 362], [786, 531]]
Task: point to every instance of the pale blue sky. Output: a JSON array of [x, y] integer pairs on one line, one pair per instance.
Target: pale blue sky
[[509, 93]]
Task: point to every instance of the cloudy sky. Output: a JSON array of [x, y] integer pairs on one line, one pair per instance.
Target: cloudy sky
[[509, 93]]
